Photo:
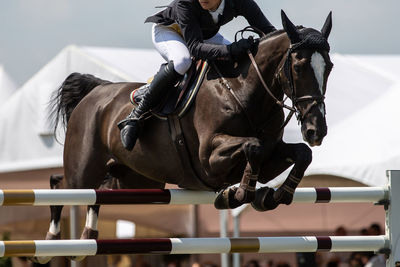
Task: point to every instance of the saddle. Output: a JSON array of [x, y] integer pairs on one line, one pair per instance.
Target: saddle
[[180, 97]]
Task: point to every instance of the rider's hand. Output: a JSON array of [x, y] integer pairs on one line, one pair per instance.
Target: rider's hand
[[239, 48]]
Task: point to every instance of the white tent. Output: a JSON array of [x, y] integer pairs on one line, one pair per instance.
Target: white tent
[[7, 86]]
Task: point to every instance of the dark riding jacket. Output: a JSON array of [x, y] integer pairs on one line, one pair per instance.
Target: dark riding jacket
[[197, 25]]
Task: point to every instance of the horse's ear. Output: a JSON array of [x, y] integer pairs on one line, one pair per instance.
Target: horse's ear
[[290, 29], [326, 29]]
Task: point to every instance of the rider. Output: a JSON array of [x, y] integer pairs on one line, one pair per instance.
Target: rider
[[190, 28]]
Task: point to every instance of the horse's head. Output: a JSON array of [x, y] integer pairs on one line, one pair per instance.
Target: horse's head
[[304, 76]]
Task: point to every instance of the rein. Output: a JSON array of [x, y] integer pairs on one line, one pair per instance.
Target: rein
[[277, 101]]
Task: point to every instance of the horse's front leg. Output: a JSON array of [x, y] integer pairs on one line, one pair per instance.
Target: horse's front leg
[[282, 157], [301, 155], [229, 153]]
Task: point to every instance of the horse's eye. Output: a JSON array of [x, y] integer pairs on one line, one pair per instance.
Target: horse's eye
[[299, 55], [297, 68]]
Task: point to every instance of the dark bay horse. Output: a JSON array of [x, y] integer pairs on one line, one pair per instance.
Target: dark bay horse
[[233, 131]]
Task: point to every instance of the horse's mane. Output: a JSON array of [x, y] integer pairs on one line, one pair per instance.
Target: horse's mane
[[271, 34], [276, 33]]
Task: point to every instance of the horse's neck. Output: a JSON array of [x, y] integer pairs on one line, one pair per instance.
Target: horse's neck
[[269, 57]]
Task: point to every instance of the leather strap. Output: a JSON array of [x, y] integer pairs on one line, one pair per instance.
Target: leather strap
[[189, 175], [277, 101]]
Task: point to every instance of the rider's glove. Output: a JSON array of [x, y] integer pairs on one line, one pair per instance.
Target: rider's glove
[[239, 48]]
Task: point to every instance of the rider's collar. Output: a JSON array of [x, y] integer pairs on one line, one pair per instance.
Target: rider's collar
[[218, 12]]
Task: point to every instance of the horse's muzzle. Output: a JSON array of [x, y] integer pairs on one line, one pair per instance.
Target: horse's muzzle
[[313, 133]]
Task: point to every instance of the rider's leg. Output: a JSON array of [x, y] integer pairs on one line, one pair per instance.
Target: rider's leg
[[172, 48], [165, 78]]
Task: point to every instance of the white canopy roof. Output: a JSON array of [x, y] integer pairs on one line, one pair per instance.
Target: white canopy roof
[[362, 141], [7, 86]]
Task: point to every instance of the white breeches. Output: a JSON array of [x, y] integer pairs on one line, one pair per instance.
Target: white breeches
[[171, 46]]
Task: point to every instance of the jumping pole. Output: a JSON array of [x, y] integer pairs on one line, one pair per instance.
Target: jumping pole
[[45, 197], [91, 247], [388, 196]]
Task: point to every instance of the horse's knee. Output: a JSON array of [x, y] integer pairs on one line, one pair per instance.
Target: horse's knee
[[254, 150], [304, 156]]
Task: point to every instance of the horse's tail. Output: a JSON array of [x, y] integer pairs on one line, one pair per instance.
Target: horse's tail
[[75, 87]]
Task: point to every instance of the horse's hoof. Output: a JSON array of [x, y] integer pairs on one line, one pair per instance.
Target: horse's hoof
[[226, 199], [244, 196], [45, 259], [89, 233], [264, 199], [40, 260], [51, 236], [283, 197]]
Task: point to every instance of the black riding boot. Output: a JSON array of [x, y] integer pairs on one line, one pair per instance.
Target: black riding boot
[[165, 78]]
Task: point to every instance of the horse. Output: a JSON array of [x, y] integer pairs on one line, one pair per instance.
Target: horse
[[232, 133]]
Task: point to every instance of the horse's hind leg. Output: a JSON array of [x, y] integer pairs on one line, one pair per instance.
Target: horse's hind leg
[[90, 231], [54, 232], [118, 176], [92, 214], [283, 156], [85, 168]]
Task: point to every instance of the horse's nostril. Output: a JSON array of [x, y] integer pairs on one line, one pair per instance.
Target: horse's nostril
[[310, 133]]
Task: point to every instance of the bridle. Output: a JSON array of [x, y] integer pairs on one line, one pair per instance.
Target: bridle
[[313, 100]]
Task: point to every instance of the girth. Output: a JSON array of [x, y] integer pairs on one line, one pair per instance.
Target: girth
[[190, 178]]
